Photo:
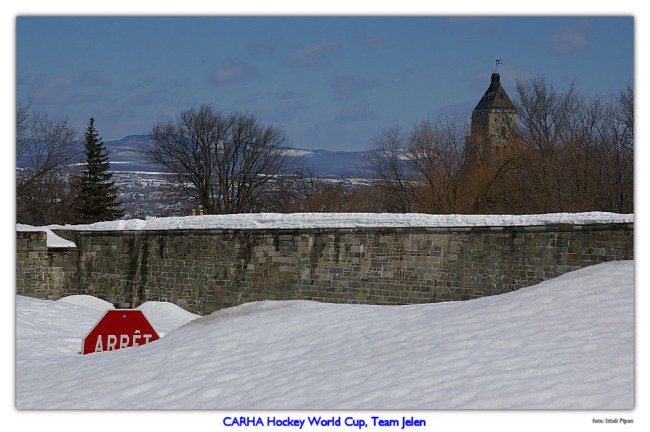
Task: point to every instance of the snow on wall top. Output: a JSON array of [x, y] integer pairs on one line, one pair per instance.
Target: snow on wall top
[[342, 220], [53, 240]]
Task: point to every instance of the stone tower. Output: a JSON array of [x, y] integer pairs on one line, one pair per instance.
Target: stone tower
[[494, 123]]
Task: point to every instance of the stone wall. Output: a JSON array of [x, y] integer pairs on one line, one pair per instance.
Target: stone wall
[[44, 272], [208, 269]]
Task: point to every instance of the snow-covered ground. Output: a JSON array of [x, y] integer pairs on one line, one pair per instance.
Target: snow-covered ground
[[567, 343]]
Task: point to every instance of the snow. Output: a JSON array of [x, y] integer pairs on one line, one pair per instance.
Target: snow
[[53, 240], [165, 317], [567, 343], [295, 153], [87, 301], [345, 220]]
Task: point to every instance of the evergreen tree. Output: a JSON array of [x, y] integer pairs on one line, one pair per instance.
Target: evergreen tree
[[97, 198]]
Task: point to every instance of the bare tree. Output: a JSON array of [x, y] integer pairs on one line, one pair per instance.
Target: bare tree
[[301, 191], [613, 171], [578, 151], [435, 152], [625, 117], [389, 161], [45, 149], [228, 162], [545, 113], [421, 171], [22, 120]]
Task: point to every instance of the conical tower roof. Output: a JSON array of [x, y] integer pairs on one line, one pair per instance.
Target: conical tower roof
[[495, 97]]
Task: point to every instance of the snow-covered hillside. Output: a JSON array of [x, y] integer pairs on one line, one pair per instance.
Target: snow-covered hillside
[[564, 343]]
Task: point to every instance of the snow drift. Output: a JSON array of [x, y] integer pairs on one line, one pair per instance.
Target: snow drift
[[566, 343]]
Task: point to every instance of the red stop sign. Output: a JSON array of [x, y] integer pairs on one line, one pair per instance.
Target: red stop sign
[[117, 329]]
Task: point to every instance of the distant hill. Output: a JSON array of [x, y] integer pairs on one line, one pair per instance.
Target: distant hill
[[125, 155], [142, 184]]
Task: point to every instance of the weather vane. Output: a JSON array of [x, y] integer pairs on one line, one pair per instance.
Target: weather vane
[[499, 61]]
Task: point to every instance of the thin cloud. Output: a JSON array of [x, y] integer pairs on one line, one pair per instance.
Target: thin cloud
[[270, 46], [350, 86], [93, 78], [285, 111], [235, 73], [373, 41], [313, 55], [570, 38], [479, 81], [356, 113], [66, 89]]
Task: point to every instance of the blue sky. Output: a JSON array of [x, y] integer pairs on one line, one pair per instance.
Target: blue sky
[[330, 82]]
